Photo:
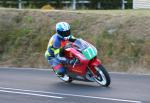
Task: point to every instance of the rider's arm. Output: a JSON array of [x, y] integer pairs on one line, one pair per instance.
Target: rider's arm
[[56, 47], [53, 47]]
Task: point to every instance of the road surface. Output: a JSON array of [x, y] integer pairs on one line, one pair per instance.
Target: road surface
[[42, 86]]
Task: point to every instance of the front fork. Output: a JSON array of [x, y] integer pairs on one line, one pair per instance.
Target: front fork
[[94, 63], [92, 74]]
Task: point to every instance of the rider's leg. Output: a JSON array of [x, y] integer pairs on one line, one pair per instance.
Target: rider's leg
[[57, 66]]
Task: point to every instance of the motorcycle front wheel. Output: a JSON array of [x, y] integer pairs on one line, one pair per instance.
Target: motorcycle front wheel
[[102, 77]]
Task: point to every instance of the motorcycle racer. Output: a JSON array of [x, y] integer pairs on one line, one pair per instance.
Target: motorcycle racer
[[55, 46]]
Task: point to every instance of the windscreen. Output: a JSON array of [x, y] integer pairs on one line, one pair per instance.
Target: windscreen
[[81, 44]]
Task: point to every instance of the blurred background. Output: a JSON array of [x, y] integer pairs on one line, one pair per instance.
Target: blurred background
[[120, 30], [76, 4]]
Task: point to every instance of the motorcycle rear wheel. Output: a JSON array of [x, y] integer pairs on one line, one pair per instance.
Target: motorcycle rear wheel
[[102, 77]]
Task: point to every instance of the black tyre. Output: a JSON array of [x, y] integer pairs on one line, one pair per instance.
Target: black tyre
[[102, 77]]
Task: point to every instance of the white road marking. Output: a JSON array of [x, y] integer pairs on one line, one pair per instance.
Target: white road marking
[[33, 94], [23, 91]]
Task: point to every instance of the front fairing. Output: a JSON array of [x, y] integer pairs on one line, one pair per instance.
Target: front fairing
[[87, 49], [78, 68], [83, 51]]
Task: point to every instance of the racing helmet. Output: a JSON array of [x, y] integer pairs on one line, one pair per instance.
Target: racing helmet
[[63, 30]]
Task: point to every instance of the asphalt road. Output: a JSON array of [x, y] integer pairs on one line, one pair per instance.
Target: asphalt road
[[42, 86]]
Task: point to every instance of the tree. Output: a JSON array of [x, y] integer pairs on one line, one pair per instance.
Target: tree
[[106, 4], [95, 4]]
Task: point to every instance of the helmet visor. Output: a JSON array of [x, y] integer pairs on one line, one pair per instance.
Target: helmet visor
[[64, 33]]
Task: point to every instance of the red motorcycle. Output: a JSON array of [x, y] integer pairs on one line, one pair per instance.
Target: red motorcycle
[[86, 67]]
